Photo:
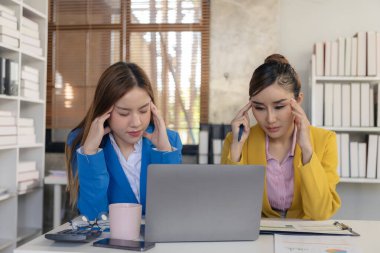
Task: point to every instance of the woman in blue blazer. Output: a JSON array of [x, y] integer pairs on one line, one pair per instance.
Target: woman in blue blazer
[[108, 153]]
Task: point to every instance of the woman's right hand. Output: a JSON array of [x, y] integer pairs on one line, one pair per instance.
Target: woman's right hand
[[96, 133], [241, 118]]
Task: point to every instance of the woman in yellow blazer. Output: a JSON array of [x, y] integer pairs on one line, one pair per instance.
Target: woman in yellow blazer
[[300, 160]]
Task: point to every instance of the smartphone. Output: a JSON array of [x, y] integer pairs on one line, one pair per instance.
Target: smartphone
[[124, 244]]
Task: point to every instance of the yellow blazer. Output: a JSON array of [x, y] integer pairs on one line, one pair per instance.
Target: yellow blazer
[[315, 195]]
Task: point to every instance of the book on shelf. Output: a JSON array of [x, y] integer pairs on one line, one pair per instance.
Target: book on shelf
[[27, 93], [27, 185], [319, 58], [31, 70], [30, 40], [364, 104], [362, 53], [362, 159], [8, 16], [5, 113], [328, 104], [8, 130], [372, 156], [338, 142], [327, 58], [345, 154], [10, 81], [354, 160], [28, 175], [337, 105], [355, 104], [27, 139], [25, 122], [354, 57], [4, 8], [371, 106], [319, 105], [347, 59], [346, 102], [341, 56], [26, 130], [31, 49], [10, 32], [7, 120], [8, 140], [25, 166], [29, 23], [334, 58], [8, 23], [29, 85], [371, 53], [8, 40], [29, 76], [30, 32]]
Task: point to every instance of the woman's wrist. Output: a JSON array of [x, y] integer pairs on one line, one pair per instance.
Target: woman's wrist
[[235, 151]]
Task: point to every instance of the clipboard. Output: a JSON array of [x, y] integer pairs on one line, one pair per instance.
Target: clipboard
[[269, 226]]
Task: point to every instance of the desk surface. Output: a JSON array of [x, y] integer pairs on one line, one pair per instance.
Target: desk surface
[[368, 242]]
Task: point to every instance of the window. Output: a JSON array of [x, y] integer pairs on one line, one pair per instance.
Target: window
[[169, 39]]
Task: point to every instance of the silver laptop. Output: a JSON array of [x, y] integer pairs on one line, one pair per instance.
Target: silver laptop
[[192, 202]]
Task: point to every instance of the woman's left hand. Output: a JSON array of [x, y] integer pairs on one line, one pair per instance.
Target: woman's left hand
[[303, 130], [159, 137]]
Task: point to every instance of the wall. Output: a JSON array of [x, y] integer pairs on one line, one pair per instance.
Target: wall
[[243, 33]]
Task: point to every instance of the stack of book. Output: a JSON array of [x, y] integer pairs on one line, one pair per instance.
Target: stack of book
[[352, 56], [8, 130], [27, 176], [29, 82], [8, 76], [358, 159], [9, 34], [26, 131], [30, 37]]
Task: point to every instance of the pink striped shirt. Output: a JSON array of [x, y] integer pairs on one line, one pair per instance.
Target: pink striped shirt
[[280, 178]]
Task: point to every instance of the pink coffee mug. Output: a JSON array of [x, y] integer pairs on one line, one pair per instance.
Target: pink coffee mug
[[125, 220]]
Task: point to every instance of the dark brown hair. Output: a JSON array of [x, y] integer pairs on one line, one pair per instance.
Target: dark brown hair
[[113, 84], [275, 69]]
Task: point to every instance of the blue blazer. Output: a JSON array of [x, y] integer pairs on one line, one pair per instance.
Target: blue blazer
[[102, 180]]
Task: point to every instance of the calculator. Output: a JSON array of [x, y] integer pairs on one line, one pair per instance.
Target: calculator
[[74, 235]]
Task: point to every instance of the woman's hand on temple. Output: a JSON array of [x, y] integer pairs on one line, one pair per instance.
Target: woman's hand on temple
[[96, 133], [159, 137]]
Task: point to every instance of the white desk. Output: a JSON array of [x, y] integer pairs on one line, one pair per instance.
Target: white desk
[[57, 181], [368, 242]]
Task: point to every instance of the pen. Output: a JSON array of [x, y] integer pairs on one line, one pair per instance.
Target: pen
[[241, 129]]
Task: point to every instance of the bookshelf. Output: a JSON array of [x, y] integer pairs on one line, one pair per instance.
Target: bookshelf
[[356, 133], [22, 105]]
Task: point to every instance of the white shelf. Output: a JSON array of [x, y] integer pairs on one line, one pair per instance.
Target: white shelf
[[24, 210], [30, 10], [32, 145], [359, 180], [353, 129], [7, 147], [347, 78]]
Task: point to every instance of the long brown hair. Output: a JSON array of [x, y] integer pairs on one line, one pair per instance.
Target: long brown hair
[[114, 83], [275, 69]]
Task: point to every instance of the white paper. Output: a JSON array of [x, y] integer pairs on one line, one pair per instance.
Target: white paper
[[314, 244]]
